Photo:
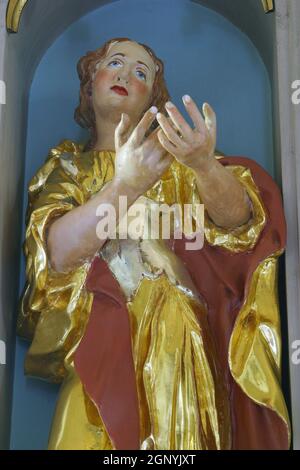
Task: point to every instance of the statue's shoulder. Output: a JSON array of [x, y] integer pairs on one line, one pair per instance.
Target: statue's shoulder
[[62, 155], [66, 149]]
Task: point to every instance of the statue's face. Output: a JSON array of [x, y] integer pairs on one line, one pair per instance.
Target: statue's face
[[129, 66]]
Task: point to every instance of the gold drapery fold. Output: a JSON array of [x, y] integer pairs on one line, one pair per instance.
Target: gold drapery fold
[[255, 343], [177, 371], [55, 307], [178, 185], [245, 237]]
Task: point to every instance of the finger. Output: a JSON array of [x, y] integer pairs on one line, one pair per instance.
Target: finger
[[210, 120], [152, 141], [139, 132], [179, 121], [153, 134], [166, 144], [174, 127], [152, 144], [194, 113], [121, 130], [169, 131]]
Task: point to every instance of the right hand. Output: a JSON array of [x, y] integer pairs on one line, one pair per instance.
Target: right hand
[[139, 162]]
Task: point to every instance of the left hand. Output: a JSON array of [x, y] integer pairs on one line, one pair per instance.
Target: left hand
[[195, 148]]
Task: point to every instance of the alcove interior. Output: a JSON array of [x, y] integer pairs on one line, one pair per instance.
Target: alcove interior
[[220, 52]]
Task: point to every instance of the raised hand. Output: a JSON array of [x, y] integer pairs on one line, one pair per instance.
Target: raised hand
[[140, 161], [193, 147]]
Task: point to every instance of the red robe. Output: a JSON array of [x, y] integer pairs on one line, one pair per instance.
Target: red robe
[[104, 360]]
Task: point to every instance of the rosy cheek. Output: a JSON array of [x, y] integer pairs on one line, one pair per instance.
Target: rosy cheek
[[103, 77], [139, 87]]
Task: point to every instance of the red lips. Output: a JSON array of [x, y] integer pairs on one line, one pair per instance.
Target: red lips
[[120, 90]]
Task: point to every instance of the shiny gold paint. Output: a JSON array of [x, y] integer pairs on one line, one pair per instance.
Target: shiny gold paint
[[176, 367]]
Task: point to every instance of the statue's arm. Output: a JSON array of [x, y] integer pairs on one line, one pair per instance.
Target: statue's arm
[[223, 196], [72, 238]]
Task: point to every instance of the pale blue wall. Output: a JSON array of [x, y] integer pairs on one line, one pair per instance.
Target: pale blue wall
[[205, 56]]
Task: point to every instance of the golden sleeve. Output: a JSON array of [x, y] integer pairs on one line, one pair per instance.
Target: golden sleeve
[[255, 343], [244, 237], [178, 185], [54, 305]]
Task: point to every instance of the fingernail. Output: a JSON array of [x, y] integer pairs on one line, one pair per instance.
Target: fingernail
[[169, 105], [158, 116], [153, 109], [186, 99]]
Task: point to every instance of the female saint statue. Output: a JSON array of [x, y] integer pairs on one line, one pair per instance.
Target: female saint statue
[[157, 346]]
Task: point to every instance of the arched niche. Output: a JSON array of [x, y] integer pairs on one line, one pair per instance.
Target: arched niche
[[42, 21]]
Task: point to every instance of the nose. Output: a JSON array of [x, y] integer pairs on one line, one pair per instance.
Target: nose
[[122, 80], [123, 75]]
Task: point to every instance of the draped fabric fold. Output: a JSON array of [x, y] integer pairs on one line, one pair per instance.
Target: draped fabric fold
[[211, 366], [55, 307]]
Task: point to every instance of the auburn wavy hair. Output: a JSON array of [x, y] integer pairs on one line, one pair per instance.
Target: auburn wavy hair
[[84, 114]]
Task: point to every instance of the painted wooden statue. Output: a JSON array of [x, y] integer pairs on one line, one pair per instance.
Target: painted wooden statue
[[156, 346]]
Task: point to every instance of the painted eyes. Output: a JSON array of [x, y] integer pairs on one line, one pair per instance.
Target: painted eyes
[[142, 75], [117, 63]]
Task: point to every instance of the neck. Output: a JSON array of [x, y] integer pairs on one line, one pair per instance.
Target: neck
[[105, 127]]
